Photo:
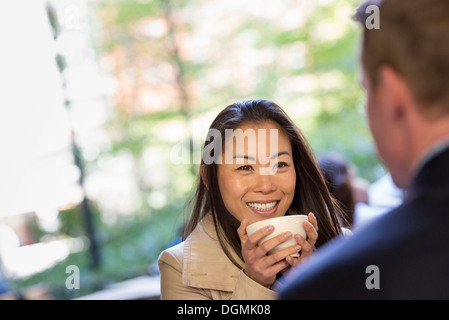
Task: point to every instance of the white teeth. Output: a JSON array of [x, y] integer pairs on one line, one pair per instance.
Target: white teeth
[[262, 206]]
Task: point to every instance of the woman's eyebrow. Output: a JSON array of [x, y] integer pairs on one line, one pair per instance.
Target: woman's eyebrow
[[253, 159], [280, 154]]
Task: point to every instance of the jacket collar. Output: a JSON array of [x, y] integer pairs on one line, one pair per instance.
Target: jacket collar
[[433, 174], [205, 263]]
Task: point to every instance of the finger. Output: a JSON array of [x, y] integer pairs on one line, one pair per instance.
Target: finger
[[312, 234], [284, 253], [243, 235], [274, 242], [291, 261], [294, 261], [313, 221], [306, 245], [300, 240], [254, 239], [278, 267]]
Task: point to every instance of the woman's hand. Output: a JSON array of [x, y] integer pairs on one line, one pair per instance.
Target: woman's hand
[[307, 245], [263, 268], [259, 266]]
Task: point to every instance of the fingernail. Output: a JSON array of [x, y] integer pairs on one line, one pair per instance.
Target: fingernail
[[268, 228], [298, 248], [287, 235]]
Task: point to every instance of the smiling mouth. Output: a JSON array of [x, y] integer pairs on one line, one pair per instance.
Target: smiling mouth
[[262, 206]]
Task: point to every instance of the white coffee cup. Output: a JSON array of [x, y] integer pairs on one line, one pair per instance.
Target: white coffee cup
[[289, 223]]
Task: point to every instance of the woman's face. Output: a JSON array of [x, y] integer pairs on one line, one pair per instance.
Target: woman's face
[[257, 179]]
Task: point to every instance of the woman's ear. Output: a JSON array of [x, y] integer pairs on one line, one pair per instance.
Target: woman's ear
[[203, 175]]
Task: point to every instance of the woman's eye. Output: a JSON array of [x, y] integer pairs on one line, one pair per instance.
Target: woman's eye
[[245, 168], [281, 165]]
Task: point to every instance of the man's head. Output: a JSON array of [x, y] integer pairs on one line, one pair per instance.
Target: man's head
[[406, 74]]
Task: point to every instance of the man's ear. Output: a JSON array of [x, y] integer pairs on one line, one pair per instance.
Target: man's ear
[[395, 93], [203, 175]]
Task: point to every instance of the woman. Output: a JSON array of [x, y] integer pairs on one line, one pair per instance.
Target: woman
[[240, 184], [338, 179]]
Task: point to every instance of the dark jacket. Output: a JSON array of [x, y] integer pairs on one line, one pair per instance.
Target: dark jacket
[[405, 252]]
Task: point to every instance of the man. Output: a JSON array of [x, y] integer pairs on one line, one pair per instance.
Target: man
[[405, 253]]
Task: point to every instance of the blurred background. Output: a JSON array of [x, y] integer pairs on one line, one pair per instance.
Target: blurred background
[[104, 106]]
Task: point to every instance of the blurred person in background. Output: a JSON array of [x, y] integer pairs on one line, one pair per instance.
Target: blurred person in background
[[383, 196], [338, 178], [405, 253], [360, 202], [217, 260]]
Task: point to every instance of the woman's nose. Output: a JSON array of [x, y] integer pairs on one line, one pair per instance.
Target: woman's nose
[[264, 183]]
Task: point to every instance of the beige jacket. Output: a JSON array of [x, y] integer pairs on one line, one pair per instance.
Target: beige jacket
[[198, 269]]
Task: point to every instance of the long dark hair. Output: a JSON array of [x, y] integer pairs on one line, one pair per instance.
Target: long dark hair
[[335, 171], [311, 193]]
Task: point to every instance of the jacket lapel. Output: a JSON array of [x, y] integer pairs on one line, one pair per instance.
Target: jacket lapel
[[205, 263]]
